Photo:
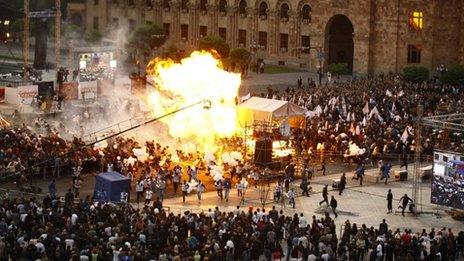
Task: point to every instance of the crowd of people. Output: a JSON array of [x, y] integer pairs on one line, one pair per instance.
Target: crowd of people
[[87, 230], [372, 118]]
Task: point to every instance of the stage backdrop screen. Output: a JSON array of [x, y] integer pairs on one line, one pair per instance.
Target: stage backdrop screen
[[448, 180]]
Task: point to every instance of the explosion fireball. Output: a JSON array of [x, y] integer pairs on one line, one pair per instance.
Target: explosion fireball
[[197, 77]]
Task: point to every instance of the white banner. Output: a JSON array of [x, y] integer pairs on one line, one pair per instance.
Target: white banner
[[27, 93], [87, 90]]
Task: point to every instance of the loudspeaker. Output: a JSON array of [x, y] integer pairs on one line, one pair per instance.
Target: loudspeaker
[[263, 152], [45, 89]]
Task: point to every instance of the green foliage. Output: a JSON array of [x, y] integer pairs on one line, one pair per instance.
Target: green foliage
[[339, 69], [454, 76], [272, 69], [172, 52], [239, 56], [218, 44], [93, 36], [146, 38], [416, 74]]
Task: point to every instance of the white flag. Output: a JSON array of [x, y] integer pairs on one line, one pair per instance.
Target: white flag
[[366, 108], [364, 122], [405, 135], [388, 93], [246, 97]]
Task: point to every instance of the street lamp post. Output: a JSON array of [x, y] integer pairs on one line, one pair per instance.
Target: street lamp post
[[254, 47], [440, 69]]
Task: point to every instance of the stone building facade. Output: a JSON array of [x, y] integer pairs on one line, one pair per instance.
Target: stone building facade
[[371, 36]]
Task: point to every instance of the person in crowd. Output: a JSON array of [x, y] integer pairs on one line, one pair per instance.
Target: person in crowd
[[359, 174], [325, 195], [333, 205], [200, 190], [185, 190], [218, 185], [291, 197], [148, 196], [405, 200], [227, 186], [342, 184], [389, 201], [52, 188], [139, 187]]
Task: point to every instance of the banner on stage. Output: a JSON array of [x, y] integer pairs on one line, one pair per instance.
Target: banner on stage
[[28, 93], [69, 90], [88, 90]]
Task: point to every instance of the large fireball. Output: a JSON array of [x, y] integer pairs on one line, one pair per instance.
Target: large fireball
[[196, 78]]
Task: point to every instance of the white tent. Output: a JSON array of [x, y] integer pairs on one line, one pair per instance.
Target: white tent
[[269, 110]]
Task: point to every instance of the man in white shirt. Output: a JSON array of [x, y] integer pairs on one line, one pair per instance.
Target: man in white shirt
[[74, 219], [139, 190], [379, 251], [148, 195], [303, 221]]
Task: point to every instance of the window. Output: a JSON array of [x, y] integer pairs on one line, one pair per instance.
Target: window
[[284, 42], [223, 33], [306, 13], [305, 42], [131, 2], [242, 37], [148, 22], [184, 5], [203, 30], [203, 5], [95, 2], [131, 24], [95, 22], [184, 30], [148, 4], [115, 22], [415, 20], [166, 5], [262, 39], [166, 29], [414, 53], [284, 11], [222, 6], [242, 7], [263, 10]]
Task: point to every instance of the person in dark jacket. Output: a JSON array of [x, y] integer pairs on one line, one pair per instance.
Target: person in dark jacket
[[325, 196], [342, 184], [333, 205], [389, 201]]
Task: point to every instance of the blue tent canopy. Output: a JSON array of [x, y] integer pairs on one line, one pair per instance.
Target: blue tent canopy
[[109, 185]]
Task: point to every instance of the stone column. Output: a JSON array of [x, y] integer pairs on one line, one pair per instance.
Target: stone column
[[274, 33], [175, 20], [158, 11], [361, 53], [232, 15]]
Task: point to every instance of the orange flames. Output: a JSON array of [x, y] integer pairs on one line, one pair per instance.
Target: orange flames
[[197, 77]]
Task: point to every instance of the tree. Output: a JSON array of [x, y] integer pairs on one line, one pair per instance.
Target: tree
[[239, 57], [145, 39], [416, 74], [93, 36], [454, 76], [339, 69], [218, 44]]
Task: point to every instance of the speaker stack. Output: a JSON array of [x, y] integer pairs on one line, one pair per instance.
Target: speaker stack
[[263, 152]]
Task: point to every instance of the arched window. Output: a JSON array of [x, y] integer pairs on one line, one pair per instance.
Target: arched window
[[184, 5], [222, 5], [242, 7], [263, 9], [284, 10], [131, 3], [203, 5], [166, 4], [306, 13]]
